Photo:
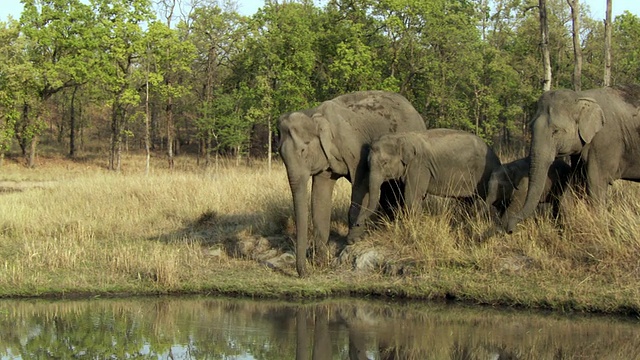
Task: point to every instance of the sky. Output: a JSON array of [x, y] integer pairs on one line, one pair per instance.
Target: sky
[[249, 7]]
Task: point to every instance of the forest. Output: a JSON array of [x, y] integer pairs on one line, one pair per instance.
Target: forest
[[172, 77]]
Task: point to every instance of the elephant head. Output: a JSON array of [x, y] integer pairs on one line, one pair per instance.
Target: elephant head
[[504, 182], [308, 147], [500, 188], [565, 122], [388, 160]]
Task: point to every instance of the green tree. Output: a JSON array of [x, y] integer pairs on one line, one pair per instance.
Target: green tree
[[281, 47], [59, 45], [626, 49], [453, 63], [12, 64], [218, 35], [171, 57], [278, 70], [119, 27], [353, 66]]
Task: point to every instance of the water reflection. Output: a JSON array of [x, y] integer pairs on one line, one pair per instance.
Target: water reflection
[[213, 328]]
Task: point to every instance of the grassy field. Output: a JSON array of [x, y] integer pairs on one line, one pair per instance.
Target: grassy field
[[72, 228]]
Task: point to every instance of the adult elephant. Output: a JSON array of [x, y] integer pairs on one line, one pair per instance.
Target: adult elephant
[[441, 162], [332, 141], [598, 128]]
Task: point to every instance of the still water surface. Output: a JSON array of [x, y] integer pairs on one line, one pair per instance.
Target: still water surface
[[214, 328]]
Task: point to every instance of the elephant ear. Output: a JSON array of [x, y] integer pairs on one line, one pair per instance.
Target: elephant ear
[[325, 133], [590, 118], [408, 148], [300, 128]]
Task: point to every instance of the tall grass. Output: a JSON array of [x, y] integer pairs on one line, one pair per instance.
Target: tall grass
[[94, 231], [95, 228]]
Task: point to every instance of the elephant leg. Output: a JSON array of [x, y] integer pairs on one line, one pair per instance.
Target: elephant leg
[[415, 189], [578, 176], [359, 199], [321, 191], [555, 208], [596, 184], [358, 208]]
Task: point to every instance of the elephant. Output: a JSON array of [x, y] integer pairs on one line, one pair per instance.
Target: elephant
[[509, 183], [332, 141], [442, 162], [598, 128]]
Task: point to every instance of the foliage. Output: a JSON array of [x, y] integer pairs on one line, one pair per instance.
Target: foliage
[[467, 64], [627, 48], [9, 98]]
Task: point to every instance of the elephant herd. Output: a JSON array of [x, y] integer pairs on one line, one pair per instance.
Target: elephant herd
[[380, 144]]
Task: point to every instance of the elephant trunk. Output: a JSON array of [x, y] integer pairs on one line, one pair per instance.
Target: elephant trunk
[[542, 156], [492, 191], [298, 184]]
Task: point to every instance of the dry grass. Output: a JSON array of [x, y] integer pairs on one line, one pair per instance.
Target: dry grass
[[114, 228], [94, 231]]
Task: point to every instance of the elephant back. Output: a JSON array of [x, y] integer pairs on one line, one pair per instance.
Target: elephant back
[[375, 113]]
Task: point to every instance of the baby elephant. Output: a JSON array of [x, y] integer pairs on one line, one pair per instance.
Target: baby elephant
[[441, 162], [508, 186]]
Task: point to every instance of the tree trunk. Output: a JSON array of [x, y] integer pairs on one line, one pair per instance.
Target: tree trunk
[[119, 157], [32, 151], [114, 138], [577, 50], [61, 129], [170, 132], [147, 126], [72, 124], [607, 46], [269, 146], [546, 58], [170, 7], [115, 153], [22, 129], [207, 151]]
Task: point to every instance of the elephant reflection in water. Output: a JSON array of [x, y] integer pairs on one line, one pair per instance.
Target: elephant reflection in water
[[322, 332], [317, 324], [319, 321], [318, 318]]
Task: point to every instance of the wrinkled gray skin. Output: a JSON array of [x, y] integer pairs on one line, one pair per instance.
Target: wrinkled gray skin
[[509, 183], [332, 141], [442, 162], [600, 127]]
